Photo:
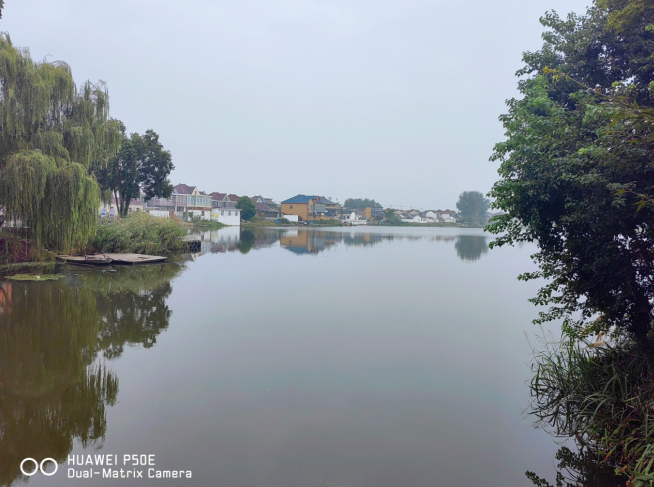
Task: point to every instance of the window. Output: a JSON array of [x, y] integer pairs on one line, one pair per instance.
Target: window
[[222, 213], [229, 213], [291, 207], [203, 213]]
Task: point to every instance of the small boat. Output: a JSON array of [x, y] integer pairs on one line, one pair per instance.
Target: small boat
[[89, 259]]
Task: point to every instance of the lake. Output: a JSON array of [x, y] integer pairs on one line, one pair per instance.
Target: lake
[[379, 356]]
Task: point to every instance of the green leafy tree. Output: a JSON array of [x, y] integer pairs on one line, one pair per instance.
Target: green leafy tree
[[51, 136], [472, 206], [247, 207], [141, 167], [391, 217], [360, 203], [573, 165]]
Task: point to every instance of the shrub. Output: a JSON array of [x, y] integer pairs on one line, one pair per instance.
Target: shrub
[[139, 233], [604, 397]]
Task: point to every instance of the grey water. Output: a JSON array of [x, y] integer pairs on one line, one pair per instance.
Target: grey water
[[290, 357]]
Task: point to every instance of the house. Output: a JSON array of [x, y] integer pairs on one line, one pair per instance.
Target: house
[[186, 202], [374, 213], [134, 205], [448, 216], [275, 206], [222, 200], [330, 206], [412, 218], [354, 219], [307, 208], [226, 215], [198, 203], [263, 210]]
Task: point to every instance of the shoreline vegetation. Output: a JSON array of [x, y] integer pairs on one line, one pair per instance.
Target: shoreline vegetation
[[140, 232], [576, 178]]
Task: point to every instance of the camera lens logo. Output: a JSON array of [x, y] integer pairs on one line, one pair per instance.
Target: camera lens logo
[[38, 467]]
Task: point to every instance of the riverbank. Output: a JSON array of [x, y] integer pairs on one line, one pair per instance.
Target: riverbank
[[205, 225], [138, 233], [334, 223]]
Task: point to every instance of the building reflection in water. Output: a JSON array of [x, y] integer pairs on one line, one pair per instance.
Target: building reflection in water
[[309, 241], [55, 384]]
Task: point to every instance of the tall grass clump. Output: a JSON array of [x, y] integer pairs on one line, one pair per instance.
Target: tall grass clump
[[602, 395], [139, 233]]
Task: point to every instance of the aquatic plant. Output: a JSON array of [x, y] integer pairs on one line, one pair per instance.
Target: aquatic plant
[[139, 232], [602, 395], [34, 277]]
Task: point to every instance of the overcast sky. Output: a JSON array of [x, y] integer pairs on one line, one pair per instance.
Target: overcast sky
[[395, 100]]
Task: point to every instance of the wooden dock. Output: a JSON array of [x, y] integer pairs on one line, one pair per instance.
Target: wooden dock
[[124, 259], [133, 259]]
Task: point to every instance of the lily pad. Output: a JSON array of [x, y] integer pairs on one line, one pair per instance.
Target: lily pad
[[34, 277]]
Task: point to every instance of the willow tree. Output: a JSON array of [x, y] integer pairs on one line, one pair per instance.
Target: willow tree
[[52, 137]]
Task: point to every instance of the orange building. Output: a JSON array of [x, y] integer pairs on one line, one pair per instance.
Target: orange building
[[307, 208]]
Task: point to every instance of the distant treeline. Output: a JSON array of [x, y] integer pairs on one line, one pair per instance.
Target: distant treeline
[[359, 203]]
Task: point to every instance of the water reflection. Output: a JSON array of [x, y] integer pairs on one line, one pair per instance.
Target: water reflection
[[580, 469], [54, 387], [471, 247], [309, 241]]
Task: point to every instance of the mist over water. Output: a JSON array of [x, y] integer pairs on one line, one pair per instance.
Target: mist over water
[[282, 357]]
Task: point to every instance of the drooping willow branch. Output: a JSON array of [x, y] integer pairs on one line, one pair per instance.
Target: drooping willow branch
[[52, 136]]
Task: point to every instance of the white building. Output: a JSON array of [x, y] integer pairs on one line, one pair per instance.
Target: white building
[[416, 219], [226, 216], [198, 214], [448, 216], [354, 219]]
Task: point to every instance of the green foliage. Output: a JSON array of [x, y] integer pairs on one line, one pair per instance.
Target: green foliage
[[600, 394], [140, 233], [392, 218], [284, 220], [246, 242], [13, 250], [571, 170], [247, 207], [579, 468], [470, 247], [34, 277], [53, 391], [142, 166], [51, 134], [473, 207], [57, 201], [208, 224], [360, 203]]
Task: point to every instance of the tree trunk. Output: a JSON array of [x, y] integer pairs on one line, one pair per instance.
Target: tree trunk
[[641, 320]]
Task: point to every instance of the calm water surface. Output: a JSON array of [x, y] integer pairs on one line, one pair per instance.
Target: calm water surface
[[281, 358]]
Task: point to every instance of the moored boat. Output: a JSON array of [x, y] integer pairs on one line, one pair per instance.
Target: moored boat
[[89, 259]]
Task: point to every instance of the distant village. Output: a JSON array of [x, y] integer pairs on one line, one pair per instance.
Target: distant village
[[188, 203]]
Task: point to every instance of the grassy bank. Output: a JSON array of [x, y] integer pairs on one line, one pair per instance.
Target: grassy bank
[[206, 225], [139, 233]]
